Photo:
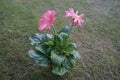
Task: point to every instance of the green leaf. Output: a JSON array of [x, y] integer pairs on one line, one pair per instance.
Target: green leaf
[[59, 70], [68, 62], [39, 57], [40, 38], [73, 46], [56, 58], [65, 29], [63, 36], [41, 48], [34, 40], [76, 54], [64, 39], [70, 48]]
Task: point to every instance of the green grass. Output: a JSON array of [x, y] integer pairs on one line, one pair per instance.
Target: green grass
[[98, 40]]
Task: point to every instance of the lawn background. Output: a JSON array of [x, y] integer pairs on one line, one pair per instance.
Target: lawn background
[[98, 40]]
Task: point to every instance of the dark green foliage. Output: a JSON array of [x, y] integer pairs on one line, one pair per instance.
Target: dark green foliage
[[55, 50]]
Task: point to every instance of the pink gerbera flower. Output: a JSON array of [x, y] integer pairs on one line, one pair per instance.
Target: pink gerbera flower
[[77, 19], [47, 20]]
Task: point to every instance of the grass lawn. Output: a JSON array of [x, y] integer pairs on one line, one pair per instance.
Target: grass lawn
[[98, 40]]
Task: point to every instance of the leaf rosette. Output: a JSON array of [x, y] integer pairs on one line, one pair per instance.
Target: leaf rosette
[[55, 50]]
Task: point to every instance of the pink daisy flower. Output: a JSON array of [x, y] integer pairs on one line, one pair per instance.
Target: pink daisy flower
[[47, 20], [77, 19]]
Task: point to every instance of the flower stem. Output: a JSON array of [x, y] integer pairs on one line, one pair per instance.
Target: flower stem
[[54, 30], [70, 29]]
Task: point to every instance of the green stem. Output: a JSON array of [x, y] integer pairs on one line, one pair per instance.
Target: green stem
[[54, 30], [70, 30]]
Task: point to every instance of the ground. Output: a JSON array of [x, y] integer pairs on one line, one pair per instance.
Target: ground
[[98, 40]]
